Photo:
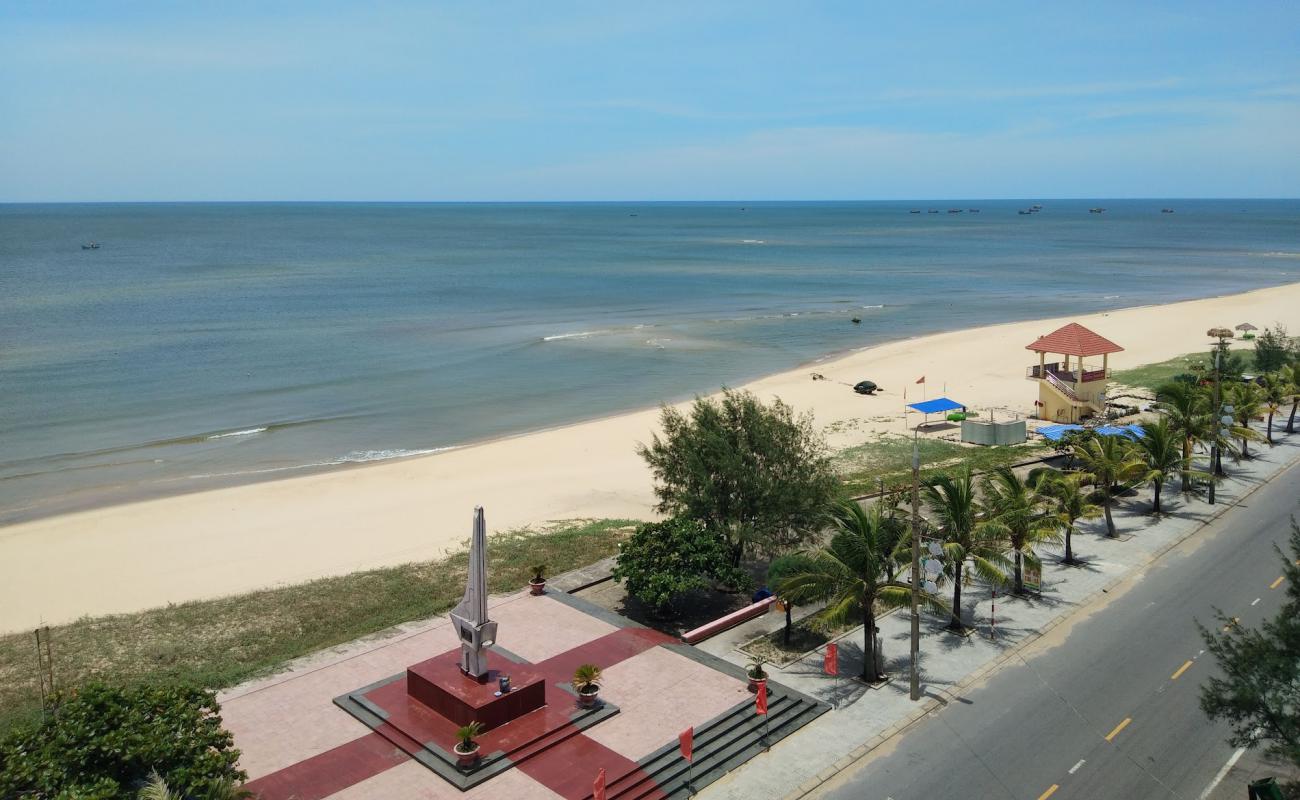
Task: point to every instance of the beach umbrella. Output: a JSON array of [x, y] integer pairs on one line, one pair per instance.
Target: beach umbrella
[[1246, 327]]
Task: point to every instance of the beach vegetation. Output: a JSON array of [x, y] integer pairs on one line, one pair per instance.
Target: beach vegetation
[[664, 561], [1291, 374], [1189, 410], [858, 574], [1071, 501], [1274, 349], [1017, 514], [1274, 391], [1247, 401], [1160, 447], [778, 572], [887, 460], [1113, 463], [221, 642], [754, 472], [967, 543], [102, 741]]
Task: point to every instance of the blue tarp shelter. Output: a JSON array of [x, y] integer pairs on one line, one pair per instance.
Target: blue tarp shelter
[[1055, 432], [936, 406]]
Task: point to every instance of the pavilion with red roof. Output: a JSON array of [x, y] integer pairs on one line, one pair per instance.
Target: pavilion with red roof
[[1070, 391]]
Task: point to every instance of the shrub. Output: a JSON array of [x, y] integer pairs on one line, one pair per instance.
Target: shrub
[[104, 742], [665, 559]]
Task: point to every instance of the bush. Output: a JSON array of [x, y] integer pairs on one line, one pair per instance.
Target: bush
[[664, 560], [1273, 349], [102, 742]]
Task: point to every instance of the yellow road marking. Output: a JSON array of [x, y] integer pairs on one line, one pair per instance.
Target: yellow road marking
[[1180, 671], [1051, 790], [1277, 582], [1119, 728]]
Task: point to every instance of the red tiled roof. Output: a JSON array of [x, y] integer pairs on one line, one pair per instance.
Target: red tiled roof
[[1074, 340]]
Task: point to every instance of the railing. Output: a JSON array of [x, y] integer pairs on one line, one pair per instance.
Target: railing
[[1060, 386], [1068, 376]]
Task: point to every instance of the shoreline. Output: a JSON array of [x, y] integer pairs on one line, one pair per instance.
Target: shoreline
[[217, 541]]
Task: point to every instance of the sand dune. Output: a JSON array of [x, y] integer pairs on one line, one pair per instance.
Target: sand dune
[[145, 554]]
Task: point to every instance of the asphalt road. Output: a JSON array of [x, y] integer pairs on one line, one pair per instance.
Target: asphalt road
[[1105, 706]]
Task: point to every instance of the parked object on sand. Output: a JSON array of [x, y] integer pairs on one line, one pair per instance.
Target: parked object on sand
[[865, 387]]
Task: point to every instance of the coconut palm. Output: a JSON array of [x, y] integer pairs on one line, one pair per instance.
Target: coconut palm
[[1247, 403], [1017, 515], [856, 574], [1274, 393], [1188, 408], [1291, 373], [1071, 501], [1111, 460], [1159, 448], [966, 538]]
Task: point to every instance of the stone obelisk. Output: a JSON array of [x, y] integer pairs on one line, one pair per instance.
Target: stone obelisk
[[470, 619]]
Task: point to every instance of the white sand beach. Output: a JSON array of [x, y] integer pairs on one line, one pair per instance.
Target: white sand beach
[[145, 554]]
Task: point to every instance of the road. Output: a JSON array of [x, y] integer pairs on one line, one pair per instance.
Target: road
[[1105, 706]]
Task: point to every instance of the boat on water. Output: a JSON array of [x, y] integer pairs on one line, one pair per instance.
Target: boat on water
[[973, 210], [954, 211], [1024, 213], [1095, 210], [90, 246], [915, 211], [1166, 211], [1035, 208]]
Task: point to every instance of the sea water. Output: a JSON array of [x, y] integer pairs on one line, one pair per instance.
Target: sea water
[[207, 344]]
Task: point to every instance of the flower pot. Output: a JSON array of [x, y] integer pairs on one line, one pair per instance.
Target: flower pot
[[754, 683], [587, 697], [464, 759], [537, 587]]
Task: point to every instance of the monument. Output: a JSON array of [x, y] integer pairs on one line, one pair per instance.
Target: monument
[[470, 618]]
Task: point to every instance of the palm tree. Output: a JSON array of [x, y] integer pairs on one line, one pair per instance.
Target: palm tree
[[1247, 403], [1072, 501], [1291, 373], [1158, 447], [952, 499], [1111, 460], [857, 573], [1274, 393], [1017, 515], [1187, 407]]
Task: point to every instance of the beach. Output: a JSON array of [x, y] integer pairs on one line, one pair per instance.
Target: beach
[[211, 543]]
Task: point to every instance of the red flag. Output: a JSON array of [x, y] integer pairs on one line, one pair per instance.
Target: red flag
[[598, 788], [921, 379], [831, 664], [760, 699], [686, 740]]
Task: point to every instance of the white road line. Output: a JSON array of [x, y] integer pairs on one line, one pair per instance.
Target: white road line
[[1255, 601], [1075, 768], [1222, 774]]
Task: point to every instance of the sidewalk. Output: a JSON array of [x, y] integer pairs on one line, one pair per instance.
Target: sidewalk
[[865, 718]]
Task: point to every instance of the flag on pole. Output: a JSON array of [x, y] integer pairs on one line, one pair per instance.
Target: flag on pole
[[686, 740], [598, 788], [921, 379], [760, 699], [831, 664]]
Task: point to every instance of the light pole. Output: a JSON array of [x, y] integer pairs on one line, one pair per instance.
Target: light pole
[[916, 566], [1221, 334]]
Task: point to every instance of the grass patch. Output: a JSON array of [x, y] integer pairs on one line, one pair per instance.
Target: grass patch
[[1150, 376], [890, 457], [219, 643]]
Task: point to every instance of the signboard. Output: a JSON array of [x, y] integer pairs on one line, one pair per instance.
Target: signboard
[[1032, 577]]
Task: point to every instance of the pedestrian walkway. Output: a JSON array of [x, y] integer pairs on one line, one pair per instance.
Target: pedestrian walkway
[[864, 717]]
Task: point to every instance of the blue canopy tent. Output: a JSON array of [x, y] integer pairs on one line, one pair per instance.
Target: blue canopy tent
[[936, 406]]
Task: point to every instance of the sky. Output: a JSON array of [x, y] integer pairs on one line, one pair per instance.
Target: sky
[[483, 101]]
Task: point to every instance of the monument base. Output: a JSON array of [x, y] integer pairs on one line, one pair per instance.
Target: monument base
[[463, 699]]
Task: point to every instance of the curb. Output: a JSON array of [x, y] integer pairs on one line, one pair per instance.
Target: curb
[[860, 752]]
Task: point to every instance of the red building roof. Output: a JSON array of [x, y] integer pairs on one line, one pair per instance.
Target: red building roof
[[1074, 340]]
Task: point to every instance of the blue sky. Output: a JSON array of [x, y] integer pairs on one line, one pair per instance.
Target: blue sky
[[664, 100]]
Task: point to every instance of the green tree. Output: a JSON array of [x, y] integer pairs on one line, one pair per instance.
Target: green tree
[[1188, 409], [952, 500], [1274, 393], [105, 741], [1291, 374], [664, 560], [1273, 349], [756, 473], [1111, 461], [858, 574], [1072, 501], [778, 572], [1247, 401], [1260, 692], [1017, 515], [1158, 447]]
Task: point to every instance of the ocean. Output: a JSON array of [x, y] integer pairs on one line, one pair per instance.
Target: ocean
[[217, 343]]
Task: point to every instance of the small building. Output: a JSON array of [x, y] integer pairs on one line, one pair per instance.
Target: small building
[[1071, 390]]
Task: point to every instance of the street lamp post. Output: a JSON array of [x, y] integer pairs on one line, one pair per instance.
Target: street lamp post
[[1221, 334], [916, 566]]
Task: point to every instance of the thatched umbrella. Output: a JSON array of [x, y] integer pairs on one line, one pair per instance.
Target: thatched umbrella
[[1246, 327]]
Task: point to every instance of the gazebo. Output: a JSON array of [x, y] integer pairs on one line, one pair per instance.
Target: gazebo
[[1070, 391]]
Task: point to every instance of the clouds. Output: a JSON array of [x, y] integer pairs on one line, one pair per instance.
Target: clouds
[[693, 101]]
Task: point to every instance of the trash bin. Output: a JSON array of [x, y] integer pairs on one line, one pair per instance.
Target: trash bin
[[1265, 789]]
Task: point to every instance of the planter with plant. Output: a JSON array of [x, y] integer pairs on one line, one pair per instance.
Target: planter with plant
[[586, 682], [757, 675], [538, 583], [466, 748]]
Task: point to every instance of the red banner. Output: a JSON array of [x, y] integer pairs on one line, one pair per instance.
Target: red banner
[[831, 664], [598, 788], [760, 699], [686, 740]]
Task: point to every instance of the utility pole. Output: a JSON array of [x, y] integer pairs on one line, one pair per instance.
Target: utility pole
[[916, 565], [1220, 334]]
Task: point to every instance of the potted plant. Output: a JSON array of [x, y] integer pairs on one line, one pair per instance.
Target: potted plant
[[757, 675], [538, 582], [586, 682], [466, 748]]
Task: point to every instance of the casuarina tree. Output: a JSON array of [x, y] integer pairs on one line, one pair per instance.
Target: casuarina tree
[[756, 473]]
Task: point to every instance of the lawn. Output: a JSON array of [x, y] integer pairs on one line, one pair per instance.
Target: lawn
[[1150, 376], [219, 643], [890, 457]]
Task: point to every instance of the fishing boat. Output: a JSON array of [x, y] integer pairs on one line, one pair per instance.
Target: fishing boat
[[1166, 211], [90, 246], [1095, 210]]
